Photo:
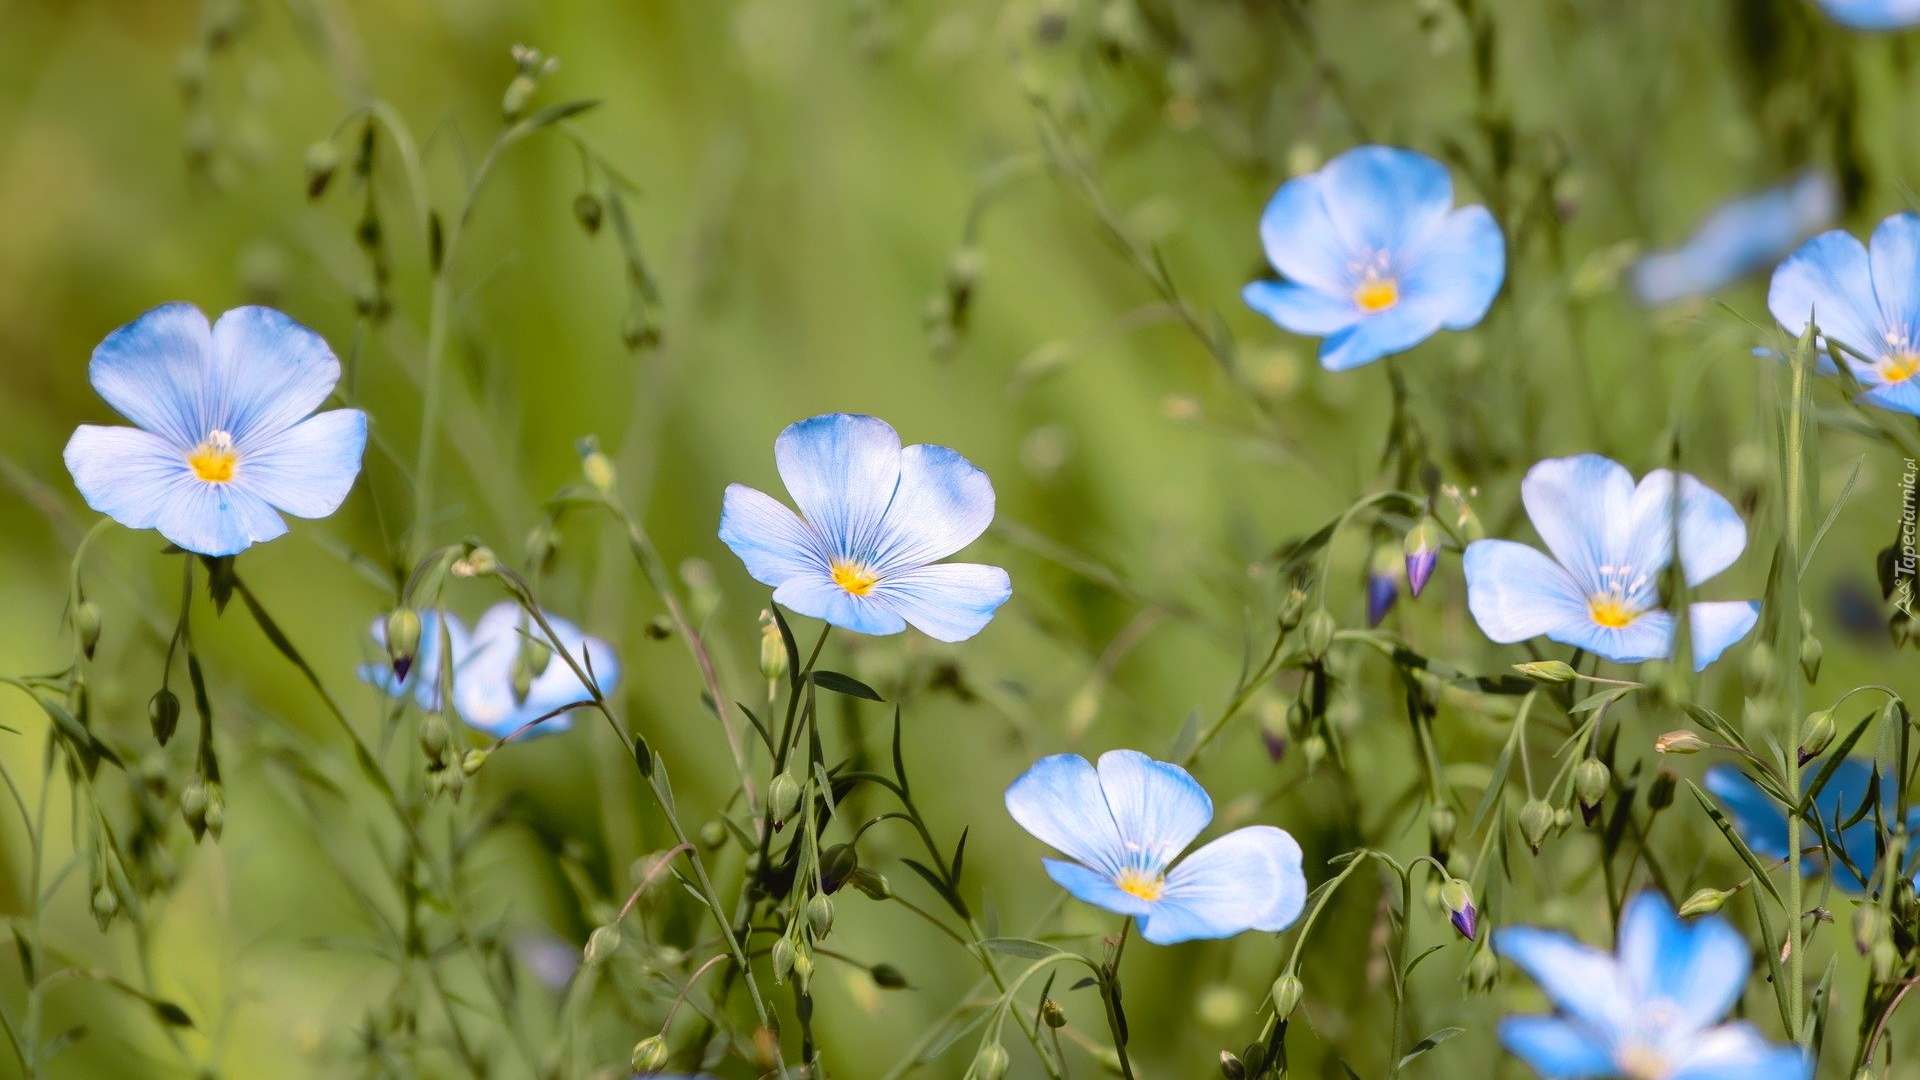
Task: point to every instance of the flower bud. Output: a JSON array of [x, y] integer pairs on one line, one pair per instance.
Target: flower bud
[[820, 916], [1422, 550], [713, 834], [216, 817], [1870, 927], [991, 1062], [597, 467], [602, 943], [86, 623], [1548, 672], [650, 1055], [837, 864], [1286, 994], [402, 630], [773, 650], [193, 805], [1442, 822], [1052, 1014], [587, 210], [802, 969], [321, 159], [1458, 897], [1276, 729], [888, 977], [472, 762], [1313, 748], [522, 679], [1884, 960], [106, 904], [1536, 818], [519, 92], [434, 736], [1810, 654], [1590, 780], [1704, 902], [480, 562], [1382, 587], [1816, 734], [1231, 1066], [1293, 608], [1757, 669], [1316, 633], [783, 798], [1660, 791], [782, 959], [1483, 971], [1679, 742], [163, 712], [872, 884]]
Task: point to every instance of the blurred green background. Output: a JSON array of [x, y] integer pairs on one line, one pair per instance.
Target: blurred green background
[[813, 184]]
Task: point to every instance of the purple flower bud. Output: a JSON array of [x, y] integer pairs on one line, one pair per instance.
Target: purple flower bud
[[1466, 921], [1423, 555], [1459, 901], [1275, 742], [1381, 593]]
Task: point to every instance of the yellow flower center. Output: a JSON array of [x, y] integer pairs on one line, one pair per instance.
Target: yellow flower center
[[1377, 294], [854, 578], [215, 459], [1898, 367], [1642, 1062], [1611, 612], [1141, 884]]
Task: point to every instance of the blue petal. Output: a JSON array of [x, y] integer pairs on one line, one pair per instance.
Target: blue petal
[[1158, 807], [770, 539], [483, 680], [1739, 1052], [1649, 637], [1758, 819], [1717, 626], [1556, 1049], [1385, 199], [1059, 800], [1689, 974], [1394, 330], [1895, 263], [1711, 533], [1458, 269], [815, 594], [1582, 507], [305, 470], [1903, 396], [1249, 879], [841, 470], [1842, 797], [1582, 981], [1741, 236], [154, 371], [1516, 593], [1829, 279], [941, 504], [1302, 242], [1095, 888], [1302, 310], [268, 373], [130, 475], [946, 601]]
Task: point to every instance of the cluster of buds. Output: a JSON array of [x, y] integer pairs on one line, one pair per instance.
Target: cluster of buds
[[479, 561], [203, 808], [532, 66]]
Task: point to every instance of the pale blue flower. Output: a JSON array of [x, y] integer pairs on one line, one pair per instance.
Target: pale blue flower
[[877, 520], [483, 663], [1125, 823], [1874, 14], [1611, 541], [224, 442], [1651, 1011], [1376, 258], [1762, 823], [1738, 238], [1868, 301]]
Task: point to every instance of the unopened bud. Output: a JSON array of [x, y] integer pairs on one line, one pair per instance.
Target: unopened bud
[[872, 884], [1422, 551], [1383, 588], [86, 623], [434, 736], [163, 713], [1590, 780], [1815, 735], [472, 761], [1548, 672], [773, 649], [782, 959], [1231, 1066], [1286, 994], [1679, 742], [1442, 822], [603, 943], [820, 916], [1458, 897], [587, 210], [216, 817], [402, 629], [1483, 972], [802, 969], [783, 798], [837, 864], [1660, 791], [321, 159], [519, 92], [713, 834], [1276, 729], [1293, 608], [597, 467], [1810, 654], [1758, 667], [650, 1054], [1704, 902], [1314, 749], [1870, 927], [194, 799], [991, 1062], [480, 562], [1051, 1013], [888, 977], [1536, 818], [1884, 960], [106, 904], [1316, 633]]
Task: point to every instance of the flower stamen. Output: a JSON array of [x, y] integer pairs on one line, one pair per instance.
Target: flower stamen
[[1376, 294], [215, 459], [1899, 366], [1611, 612], [1141, 884], [853, 577], [1642, 1062]]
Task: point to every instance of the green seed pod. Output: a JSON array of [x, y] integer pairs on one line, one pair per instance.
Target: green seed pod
[[1758, 668], [650, 1055], [1316, 633], [783, 798], [1293, 608], [803, 969], [1870, 928], [1810, 655], [773, 650], [106, 904], [163, 713], [1483, 972], [602, 943], [216, 817], [837, 864], [782, 959], [1815, 735], [434, 736], [991, 1062], [1536, 818], [873, 884], [713, 834], [193, 806], [1547, 672], [1590, 780], [1052, 1014], [820, 916], [1704, 902], [1286, 994]]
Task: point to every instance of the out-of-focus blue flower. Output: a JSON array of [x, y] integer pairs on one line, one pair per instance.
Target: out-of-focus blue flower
[[1610, 541], [1873, 14], [1866, 300], [1376, 258], [1738, 238], [223, 443], [483, 664], [1125, 823], [1649, 1011], [877, 519], [1762, 823]]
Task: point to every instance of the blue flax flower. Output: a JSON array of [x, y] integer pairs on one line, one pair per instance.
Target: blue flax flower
[[1376, 258], [483, 663], [1125, 823], [1866, 300], [1738, 238], [877, 518], [1611, 541], [1762, 823], [224, 442], [1874, 14], [1651, 1011]]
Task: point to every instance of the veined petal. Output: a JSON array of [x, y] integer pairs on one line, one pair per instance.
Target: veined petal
[[1555, 1048], [154, 371], [1458, 269], [1711, 533], [1301, 241], [815, 594], [1059, 800], [1583, 981], [1739, 1052], [1249, 879], [1582, 507], [770, 539], [942, 504], [1096, 888], [1830, 280], [1157, 807], [1690, 972], [1758, 819], [1516, 593], [305, 470], [1894, 259], [268, 373], [945, 601], [1648, 637], [841, 470], [1383, 198], [1299, 309], [483, 682], [1719, 625], [1739, 237], [128, 474], [1394, 330], [1903, 396], [217, 519]]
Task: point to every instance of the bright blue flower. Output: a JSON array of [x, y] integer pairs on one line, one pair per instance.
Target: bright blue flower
[[224, 443], [1375, 256], [878, 517], [1738, 238], [1867, 301], [1125, 823], [1762, 823], [1649, 1012], [1611, 540], [1874, 14], [483, 667]]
